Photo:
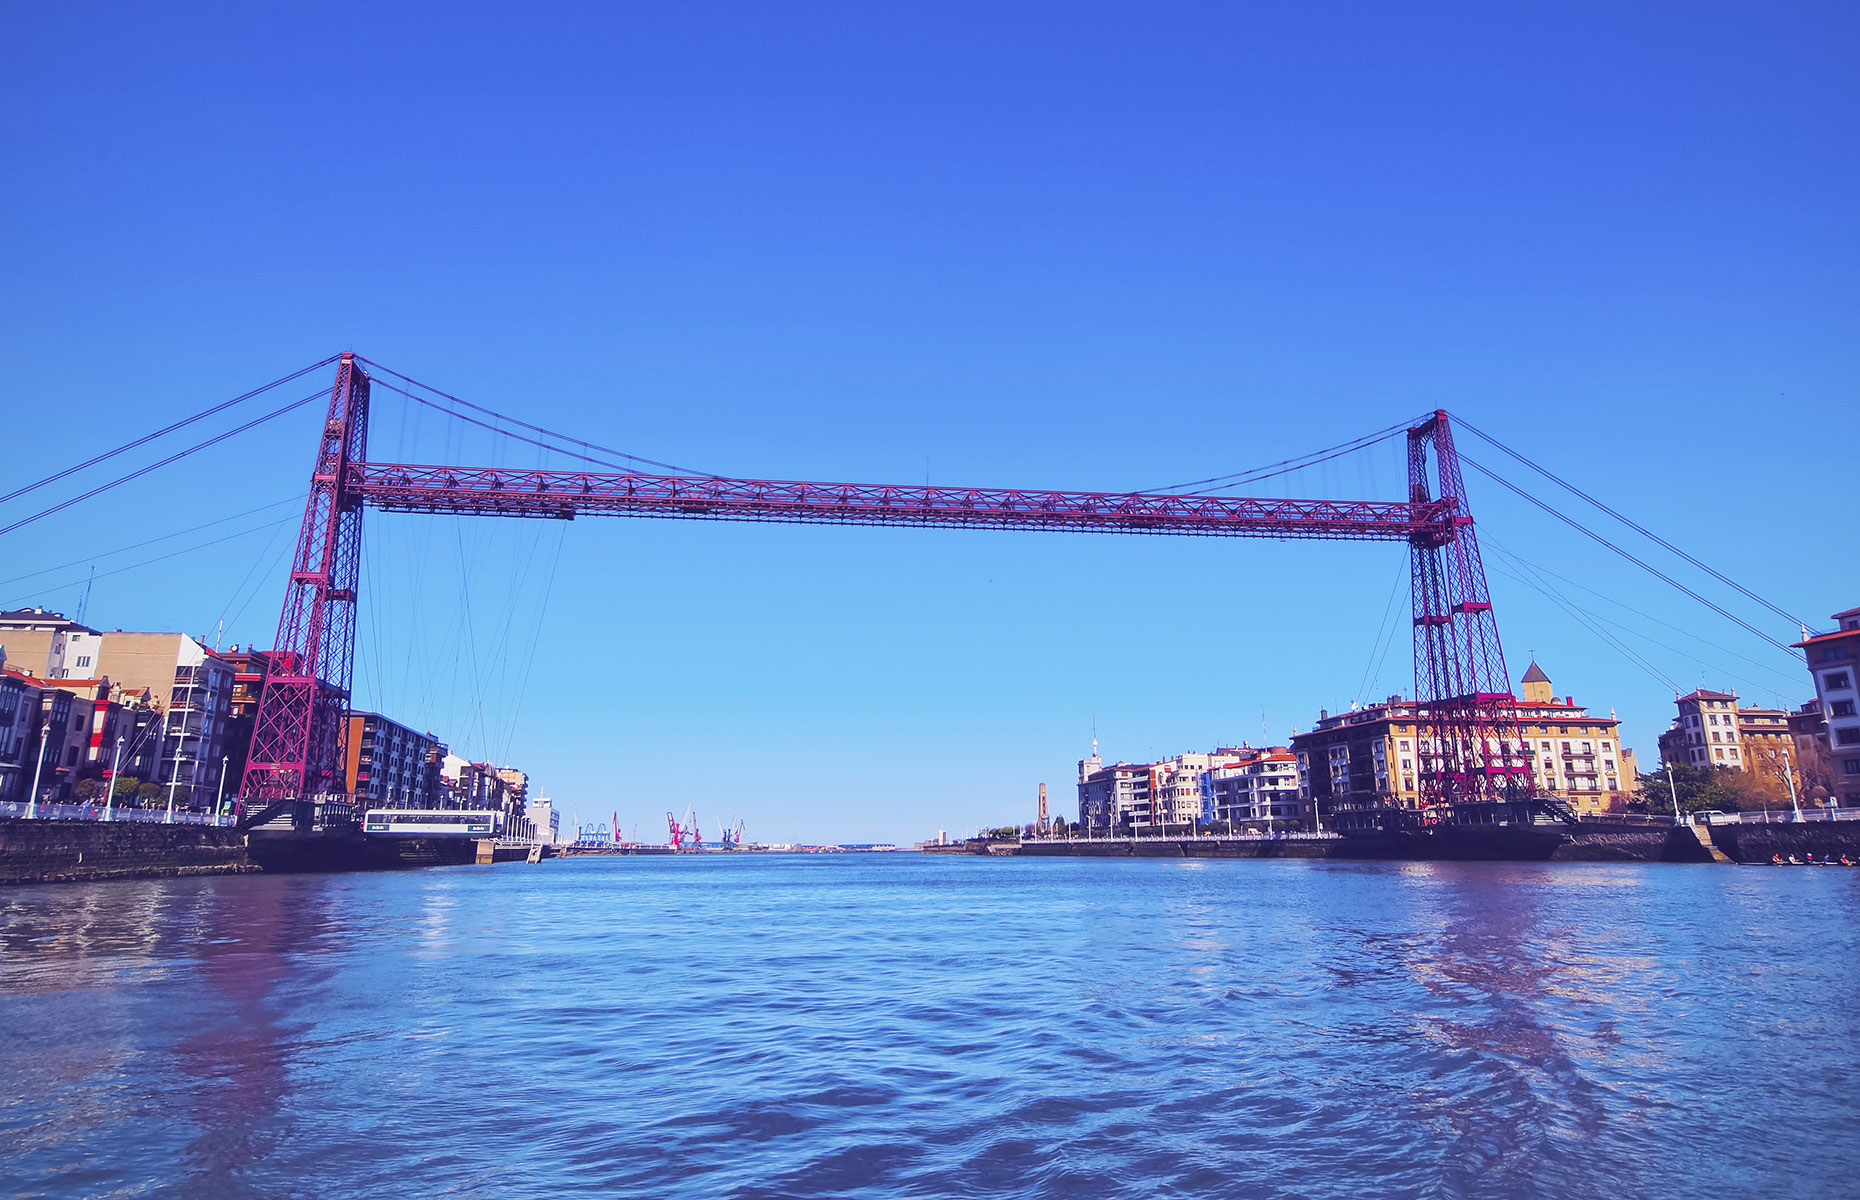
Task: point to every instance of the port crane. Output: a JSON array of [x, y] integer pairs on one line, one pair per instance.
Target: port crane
[[685, 834]]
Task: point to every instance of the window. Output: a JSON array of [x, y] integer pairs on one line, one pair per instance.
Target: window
[[1843, 708], [83, 660], [1835, 680], [1851, 765], [1847, 737]]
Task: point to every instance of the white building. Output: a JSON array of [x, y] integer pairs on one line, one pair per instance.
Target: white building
[[1253, 789], [1834, 662], [544, 820], [1176, 792]]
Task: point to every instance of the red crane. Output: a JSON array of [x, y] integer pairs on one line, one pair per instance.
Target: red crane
[[1460, 676]]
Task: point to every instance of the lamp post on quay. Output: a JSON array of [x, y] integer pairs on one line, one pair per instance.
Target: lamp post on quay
[[32, 798], [109, 797], [1794, 804], [220, 794]]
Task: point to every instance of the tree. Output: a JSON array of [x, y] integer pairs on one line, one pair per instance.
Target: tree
[[88, 789], [149, 793], [1723, 788], [125, 787], [1059, 827]]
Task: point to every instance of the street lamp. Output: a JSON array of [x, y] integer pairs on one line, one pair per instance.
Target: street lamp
[[1674, 788], [220, 795], [109, 797], [1790, 777], [32, 799]]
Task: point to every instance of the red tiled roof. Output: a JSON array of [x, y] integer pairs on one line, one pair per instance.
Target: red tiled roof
[[1828, 637]]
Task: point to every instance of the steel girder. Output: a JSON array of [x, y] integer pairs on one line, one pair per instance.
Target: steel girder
[[298, 734], [1460, 680], [407, 487]]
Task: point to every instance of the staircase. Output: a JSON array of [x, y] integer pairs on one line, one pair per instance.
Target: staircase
[[1702, 831]]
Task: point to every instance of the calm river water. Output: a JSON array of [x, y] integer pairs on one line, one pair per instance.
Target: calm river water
[[899, 1025]]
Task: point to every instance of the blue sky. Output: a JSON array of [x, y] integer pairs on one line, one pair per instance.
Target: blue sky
[[1071, 245]]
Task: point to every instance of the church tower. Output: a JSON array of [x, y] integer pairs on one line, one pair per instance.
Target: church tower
[[1537, 689]]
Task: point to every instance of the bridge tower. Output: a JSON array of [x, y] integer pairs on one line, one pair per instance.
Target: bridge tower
[[1460, 681], [297, 737]]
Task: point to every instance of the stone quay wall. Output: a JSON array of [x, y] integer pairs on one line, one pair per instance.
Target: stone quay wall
[[1756, 843], [75, 851]]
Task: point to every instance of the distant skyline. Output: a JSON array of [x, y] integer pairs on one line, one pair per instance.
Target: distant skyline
[[1081, 246]]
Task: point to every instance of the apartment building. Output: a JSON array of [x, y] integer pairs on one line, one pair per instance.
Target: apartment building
[[250, 667], [1717, 729], [1377, 754], [1111, 795], [19, 730], [388, 765], [1176, 791], [1705, 733], [1808, 729], [189, 685], [1254, 790], [1834, 663], [42, 738]]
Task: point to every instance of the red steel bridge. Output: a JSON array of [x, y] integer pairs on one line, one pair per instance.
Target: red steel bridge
[[1461, 682]]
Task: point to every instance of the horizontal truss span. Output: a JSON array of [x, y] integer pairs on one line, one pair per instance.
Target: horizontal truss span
[[478, 491]]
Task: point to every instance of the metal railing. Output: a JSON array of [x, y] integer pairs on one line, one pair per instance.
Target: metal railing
[[1761, 816], [1780, 816], [1126, 839], [97, 812]]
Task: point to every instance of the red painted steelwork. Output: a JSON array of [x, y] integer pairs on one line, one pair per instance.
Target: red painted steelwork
[[400, 487], [297, 736], [1459, 665], [1460, 677]]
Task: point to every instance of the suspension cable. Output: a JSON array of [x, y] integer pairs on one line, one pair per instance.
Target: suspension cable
[[486, 425], [154, 466], [165, 430], [1543, 571], [1643, 565], [560, 437], [1632, 524], [92, 559], [438, 407], [1289, 465], [280, 523], [1592, 623]]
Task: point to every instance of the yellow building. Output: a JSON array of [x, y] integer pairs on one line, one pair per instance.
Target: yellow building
[[1716, 729], [1370, 755]]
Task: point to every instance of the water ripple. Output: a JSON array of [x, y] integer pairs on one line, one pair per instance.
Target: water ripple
[[880, 1026]]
